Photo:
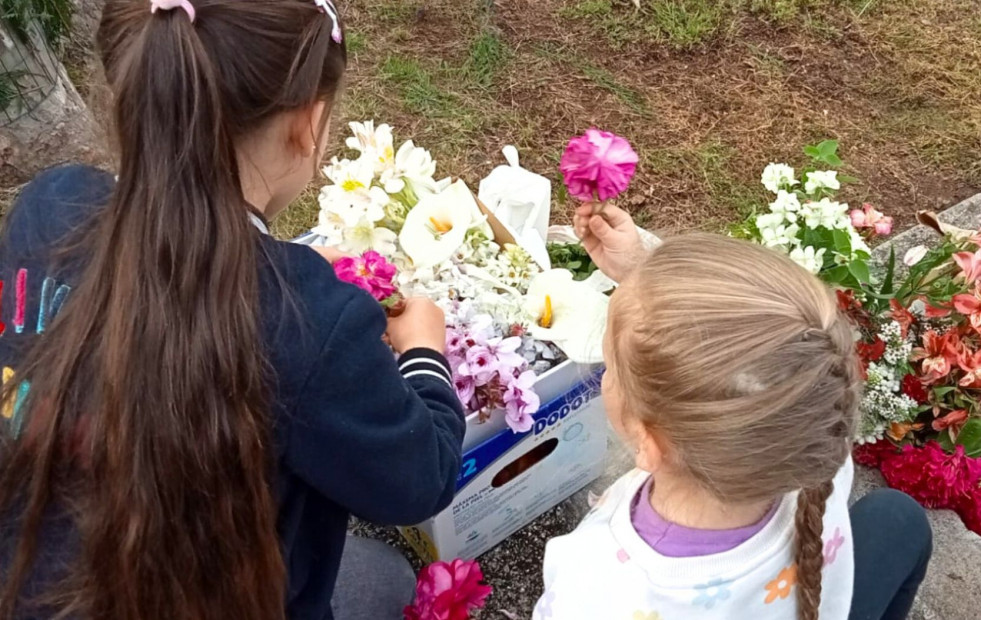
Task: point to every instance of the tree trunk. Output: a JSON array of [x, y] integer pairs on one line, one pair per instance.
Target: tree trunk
[[48, 123]]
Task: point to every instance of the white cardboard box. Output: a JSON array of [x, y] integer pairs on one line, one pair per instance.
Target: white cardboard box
[[508, 479]]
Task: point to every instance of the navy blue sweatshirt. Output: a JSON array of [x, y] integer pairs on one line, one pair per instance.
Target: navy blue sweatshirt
[[356, 430]]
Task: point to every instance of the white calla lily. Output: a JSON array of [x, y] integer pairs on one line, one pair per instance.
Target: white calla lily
[[571, 314], [438, 225]]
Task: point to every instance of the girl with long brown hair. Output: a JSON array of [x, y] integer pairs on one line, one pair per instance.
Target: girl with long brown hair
[[733, 376], [191, 408]]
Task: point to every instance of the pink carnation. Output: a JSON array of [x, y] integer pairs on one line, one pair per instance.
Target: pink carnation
[[970, 510], [598, 165], [370, 272], [875, 454], [448, 591], [933, 477]]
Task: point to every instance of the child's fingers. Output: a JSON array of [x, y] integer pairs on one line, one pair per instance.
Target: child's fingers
[[617, 217], [601, 229]]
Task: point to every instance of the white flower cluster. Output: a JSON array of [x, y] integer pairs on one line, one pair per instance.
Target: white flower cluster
[[369, 196], [898, 349], [883, 401], [788, 219], [513, 266]]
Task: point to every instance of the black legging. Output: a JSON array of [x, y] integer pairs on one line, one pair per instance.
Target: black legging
[[893, 544]]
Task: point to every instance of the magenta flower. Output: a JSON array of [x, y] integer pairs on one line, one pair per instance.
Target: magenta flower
[[465, 386], [598, 165], [521, 402], [481, 365], [448, 591], [370, 272]]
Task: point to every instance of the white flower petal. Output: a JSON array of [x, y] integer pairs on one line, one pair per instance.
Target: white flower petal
[[451, 209], [578, 314]]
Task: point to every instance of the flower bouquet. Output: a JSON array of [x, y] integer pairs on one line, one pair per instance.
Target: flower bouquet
[[918, 338], [509, 318]]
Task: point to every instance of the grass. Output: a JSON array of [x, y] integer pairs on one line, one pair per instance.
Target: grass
[[488, 54], [709, 92]]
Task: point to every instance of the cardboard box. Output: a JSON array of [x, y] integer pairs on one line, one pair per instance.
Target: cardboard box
[[508, 479]]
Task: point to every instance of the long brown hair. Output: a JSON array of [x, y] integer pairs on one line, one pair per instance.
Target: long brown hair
[[147, 415], [741, 361]]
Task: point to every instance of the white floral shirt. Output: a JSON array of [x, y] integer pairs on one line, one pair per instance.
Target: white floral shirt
[[604, 570]]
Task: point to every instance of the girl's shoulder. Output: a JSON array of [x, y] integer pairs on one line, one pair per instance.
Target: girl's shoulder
[[53, 204]]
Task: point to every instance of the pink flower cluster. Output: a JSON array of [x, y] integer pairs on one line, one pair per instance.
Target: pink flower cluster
[[370, 272], [931, 476], [448, 591], [598, 165], [868, 217], [489, 374]]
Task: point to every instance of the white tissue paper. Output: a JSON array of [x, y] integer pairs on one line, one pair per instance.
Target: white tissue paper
[[522, 201]]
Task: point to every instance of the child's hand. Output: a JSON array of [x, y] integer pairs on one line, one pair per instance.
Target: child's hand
[[331, 254], [610, 237], [421, 324]]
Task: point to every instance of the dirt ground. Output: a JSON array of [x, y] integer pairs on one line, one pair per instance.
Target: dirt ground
[[708, 91]]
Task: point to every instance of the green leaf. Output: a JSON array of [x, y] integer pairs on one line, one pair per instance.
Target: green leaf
[[940, 392], [860, 270], [828, 147], [890, 271], [836, 275], [842, 241], [946, 442], [970, 437], [812, 151]]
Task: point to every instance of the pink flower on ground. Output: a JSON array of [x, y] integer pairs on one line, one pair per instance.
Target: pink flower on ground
[[598, 165], [521, 402], [931, 476], [970, 265], [869, 217], [875, 454], [370, 272], [970, 510], [448, 591]]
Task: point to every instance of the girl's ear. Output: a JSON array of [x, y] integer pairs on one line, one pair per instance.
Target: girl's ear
[[650, 451], [306, 129]]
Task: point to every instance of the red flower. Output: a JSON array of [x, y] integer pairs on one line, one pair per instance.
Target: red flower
[[953, 420], [874, 454], [901, 315], [448, 591], [938, 354], [969, 304], [970, 510], [935, 312], [871, 352], [913, 388], [852, 308], [931, 476], [970, 265], [970, 363]]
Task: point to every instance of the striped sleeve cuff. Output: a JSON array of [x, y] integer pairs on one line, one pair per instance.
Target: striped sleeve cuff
[[425, 362]]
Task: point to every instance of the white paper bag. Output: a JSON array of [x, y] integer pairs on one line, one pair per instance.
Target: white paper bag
[[522, 201]]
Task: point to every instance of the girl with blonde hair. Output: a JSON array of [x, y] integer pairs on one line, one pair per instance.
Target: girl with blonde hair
[[733, 377]]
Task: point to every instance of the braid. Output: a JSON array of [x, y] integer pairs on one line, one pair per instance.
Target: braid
[[809, 549]]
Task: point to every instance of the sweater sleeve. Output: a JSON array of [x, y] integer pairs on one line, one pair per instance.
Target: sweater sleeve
[[381, 437]]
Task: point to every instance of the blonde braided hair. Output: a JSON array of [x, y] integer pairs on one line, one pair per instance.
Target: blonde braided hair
[[741, 361]]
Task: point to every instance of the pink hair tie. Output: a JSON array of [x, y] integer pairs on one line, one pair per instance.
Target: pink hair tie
[[327, 6], [169, 5]]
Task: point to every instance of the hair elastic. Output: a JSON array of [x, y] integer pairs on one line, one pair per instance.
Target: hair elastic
[[327, 6], [169, 5]]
